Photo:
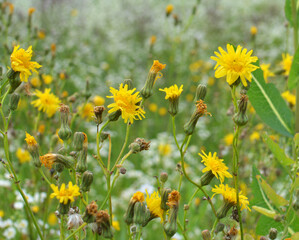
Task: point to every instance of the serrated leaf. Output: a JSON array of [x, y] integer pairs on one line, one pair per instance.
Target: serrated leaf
[[269, 105], [294, 72], [276, 199], [277, 151], [264, 211]]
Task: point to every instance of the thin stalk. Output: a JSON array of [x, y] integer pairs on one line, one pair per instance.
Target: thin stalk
[[214, 226], [61, 228], [44, 176], [77, 230], [174, 134]]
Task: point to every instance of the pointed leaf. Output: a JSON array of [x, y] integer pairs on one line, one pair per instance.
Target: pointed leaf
[[277, 151], [264, 211], [277, 200], [269, 105], [294, 72]]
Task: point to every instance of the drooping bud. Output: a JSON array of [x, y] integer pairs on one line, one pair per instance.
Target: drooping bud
[[273, 233], [87, 180], [14, 101], [240, 118], [98, 112], [64, 132], [201, 109], [103, 136], [139, 145], [90, 212], [152, 76], [206, 235], [78, 141], [201, 92]]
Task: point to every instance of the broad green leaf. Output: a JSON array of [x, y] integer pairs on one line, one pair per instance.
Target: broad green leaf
[[288, 11], [277, 151], [265, 223], [294, 72], [259, 199], [277, 200], [269, 105], [264, 211]]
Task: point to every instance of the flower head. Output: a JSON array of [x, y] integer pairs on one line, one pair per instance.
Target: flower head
[[215, 165], [266, 72], [291, 98], [98, 100], [153, 203], [253, 30], [31, 10], [286, 63], [48, 160], [127, 102], [64, 195], [47, 79], [20, 62], [234, 64], [23, 155], [86, 111], [173, 92], [201, 108], [229, 195], [30, 140], [138, 197], [169, 9], [157, 66], [46, 102], [173, 198]]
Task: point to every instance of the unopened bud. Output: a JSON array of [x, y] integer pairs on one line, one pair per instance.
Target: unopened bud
[[98, 112], [122, 170], [103, 136], [164, 198], [263, 238], [129, 82], [273, 233], [240, 118], [206, 235], [201, 92], [78, 141], [87, 180], [14, 101], [64, 132], [114, 116], [163, 177], [219, 227]]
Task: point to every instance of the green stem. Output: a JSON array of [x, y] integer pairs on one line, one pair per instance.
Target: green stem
[[44, 176], [77, 230], [174, 134], [214, 226], [61, 228], [295, 26], [101, 163]]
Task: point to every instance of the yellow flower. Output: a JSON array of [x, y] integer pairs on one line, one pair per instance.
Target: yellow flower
[[228, 139], [52, 219], [98, 101], [286, 63], [253, 30], [157, 66], [115, 225], [153, 203], [153, 107], [127, 101], [23, 155], [20, 62], [47, 79], [234, 64], [254, 136], [138, 197], [41, 34], [46, 102], [195, 66], [153, 40], [289, 97], [169, 9], [259, 126], [164, 149], [48, 160], [35, 82], [62, 76], [1, 213], [215, 165], [173, 92], [162, 111], [65, 195], [31, 10], [30, 140], [35, 209], [229, 195], [86, 111], [266, 72]]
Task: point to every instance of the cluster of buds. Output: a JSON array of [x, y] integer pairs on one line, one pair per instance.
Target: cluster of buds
[[139, 145]]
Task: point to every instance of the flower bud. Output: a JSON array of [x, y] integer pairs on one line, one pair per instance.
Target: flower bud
[[201, 92], [137, 197], [164, 198], [114, 116], [14, 101], [90, 212], [103, 222], [14, 81], [103, 136], [222, 211], [263, 238], [140, 213], [206, 235], [163, 177], [82, 158], [129, 82], [78, 141], [219, 227], [240, 118], [64, 208], [68, 162], [273, 233], [87, 180], [64, 132], [139, 145], [98, 112], [59, 167], [206, 178]]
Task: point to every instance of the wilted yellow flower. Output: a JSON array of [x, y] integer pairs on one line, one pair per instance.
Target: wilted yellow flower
[[153, 107], [86, 111], [138, 197], [229, 195], [127, 101], [286, 63], [48, 160], [64, 94], [65, 195], [23, 155], [162, 111], [234, 64], [253, 30], [164, 149], [254, 136], [291, 98], [153, 40], [153, 203], [46, 102], [215, 165], [266, 72], [20, 62], [52, 219], [35, 82], [173, 92], [173, 198], [169, 9], [30, 140], [53, 48], [10, 5], [41, 128], [47, 79], [41, 34], [98, 100], [228, 139], [31, 10]]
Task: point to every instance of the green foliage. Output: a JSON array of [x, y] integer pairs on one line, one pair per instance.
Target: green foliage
[[294, 72], [269, 105]]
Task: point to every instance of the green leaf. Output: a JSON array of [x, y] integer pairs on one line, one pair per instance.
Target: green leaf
[[264, 211], [269, 105], [288, 11], [264, 224], [277, 151], [277, 200], [258, 196], [294, 72]]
